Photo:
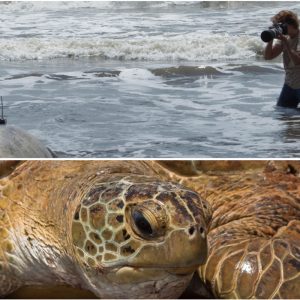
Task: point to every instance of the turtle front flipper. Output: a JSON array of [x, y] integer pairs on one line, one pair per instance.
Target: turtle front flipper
[[258, 268], [254, 239]]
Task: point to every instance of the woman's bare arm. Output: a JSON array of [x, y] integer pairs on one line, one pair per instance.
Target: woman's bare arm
[[272, 51]]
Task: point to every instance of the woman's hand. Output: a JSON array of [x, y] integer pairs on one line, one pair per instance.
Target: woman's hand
[[283, 38]]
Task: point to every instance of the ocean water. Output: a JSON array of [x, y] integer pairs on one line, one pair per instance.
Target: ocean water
[[146, 79]]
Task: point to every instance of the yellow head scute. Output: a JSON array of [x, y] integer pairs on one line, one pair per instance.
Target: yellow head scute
[[106, 234], [84, 214], [115, 220], [90, 248], [97, 215]]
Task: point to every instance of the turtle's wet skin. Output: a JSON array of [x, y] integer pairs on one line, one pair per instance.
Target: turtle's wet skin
[[134, 229], [116, 228]]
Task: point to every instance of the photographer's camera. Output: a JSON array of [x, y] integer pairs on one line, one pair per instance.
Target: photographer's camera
[[273, 32]]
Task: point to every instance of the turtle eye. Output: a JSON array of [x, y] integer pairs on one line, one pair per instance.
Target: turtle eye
[[148, 220], [141, 223]]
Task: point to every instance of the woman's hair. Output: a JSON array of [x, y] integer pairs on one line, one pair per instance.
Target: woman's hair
[[286, 16]]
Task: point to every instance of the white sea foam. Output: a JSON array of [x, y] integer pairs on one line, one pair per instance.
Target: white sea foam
[[189, 47], [150, 31]]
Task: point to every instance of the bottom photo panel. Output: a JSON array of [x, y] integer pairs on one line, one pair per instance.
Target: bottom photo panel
[[150, 229]]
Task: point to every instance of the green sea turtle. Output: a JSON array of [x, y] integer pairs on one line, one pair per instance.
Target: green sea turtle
[[116, 228], [16, 143], [138, 229]]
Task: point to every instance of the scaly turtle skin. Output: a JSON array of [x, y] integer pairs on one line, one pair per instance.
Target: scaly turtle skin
[[16, 143], [254, 236], [119, 229]]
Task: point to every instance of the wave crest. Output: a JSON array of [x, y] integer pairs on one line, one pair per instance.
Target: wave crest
[[179, 48]]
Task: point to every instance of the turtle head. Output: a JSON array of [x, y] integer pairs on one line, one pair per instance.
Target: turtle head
[[138, 236]]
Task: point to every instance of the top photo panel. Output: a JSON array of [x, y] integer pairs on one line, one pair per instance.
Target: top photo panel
[[149, 79]]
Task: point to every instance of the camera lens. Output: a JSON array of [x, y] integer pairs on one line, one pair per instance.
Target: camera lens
[[267, 35]]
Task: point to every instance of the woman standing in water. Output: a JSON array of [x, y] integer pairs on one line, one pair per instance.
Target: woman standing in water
[[290, 46]]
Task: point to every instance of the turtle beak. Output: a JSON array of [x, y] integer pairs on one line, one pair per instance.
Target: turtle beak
[[182, 251]]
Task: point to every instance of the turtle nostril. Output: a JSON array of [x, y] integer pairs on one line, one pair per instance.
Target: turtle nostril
[[191, 230], [202, 232]]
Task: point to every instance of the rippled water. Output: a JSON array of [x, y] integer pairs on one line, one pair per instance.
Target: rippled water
[[157, 79]]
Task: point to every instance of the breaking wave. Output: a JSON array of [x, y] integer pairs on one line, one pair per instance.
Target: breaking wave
[[179, 48]]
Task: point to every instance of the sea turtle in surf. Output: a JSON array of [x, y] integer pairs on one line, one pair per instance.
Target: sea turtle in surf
[[138, 229], [16, 143]]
